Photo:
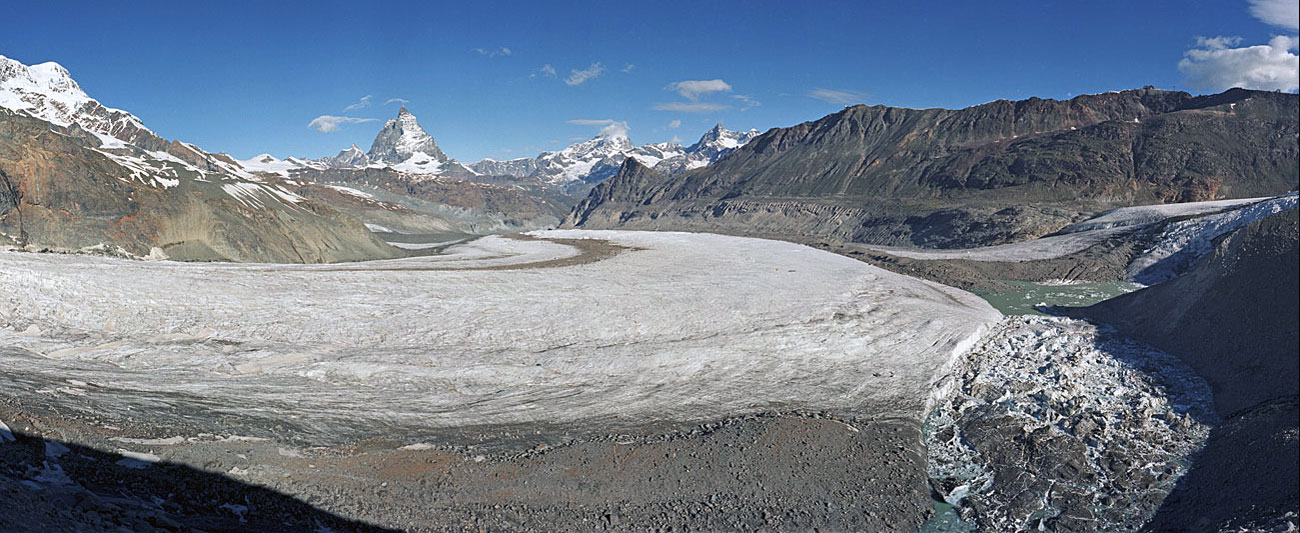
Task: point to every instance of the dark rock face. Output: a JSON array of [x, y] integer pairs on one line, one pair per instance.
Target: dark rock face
[[892, 176], [1245, 478], [1233, 319], [631, 176]]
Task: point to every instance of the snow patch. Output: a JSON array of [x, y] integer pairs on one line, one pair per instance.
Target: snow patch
[[136, 460]]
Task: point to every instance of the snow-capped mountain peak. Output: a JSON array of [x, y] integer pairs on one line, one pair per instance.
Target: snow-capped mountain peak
[[349, 157], [719, 138], [48, 92], [401, 139]]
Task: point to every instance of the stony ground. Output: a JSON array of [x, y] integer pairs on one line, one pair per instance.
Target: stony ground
[[783, 472]]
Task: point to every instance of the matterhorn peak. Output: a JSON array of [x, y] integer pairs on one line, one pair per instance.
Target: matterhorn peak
[[402, 138]]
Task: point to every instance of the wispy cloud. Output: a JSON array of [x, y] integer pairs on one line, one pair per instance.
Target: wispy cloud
[[330, 123], [609, 126], [490, 53], [363, 102], [674, 124], [838, 96], [629, 67], [591, 121], [691, 107], [746, 101], [579, 77], [396, 101], [1284, 13], [1217, 63], [693, 89]]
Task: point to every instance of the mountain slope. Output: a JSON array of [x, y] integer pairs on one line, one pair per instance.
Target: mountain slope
[[469, 206], [988, 174], [79, 176]]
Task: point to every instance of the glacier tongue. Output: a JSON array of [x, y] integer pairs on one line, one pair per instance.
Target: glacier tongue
[[679, 327]]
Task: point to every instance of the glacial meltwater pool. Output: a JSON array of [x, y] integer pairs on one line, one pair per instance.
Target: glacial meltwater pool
[[1028, 296]]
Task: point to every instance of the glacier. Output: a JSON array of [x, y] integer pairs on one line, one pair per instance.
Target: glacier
[[676, 327]]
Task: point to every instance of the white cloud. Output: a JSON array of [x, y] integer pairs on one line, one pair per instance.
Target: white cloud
[[674, 124], [547, 71], [629, 67], [1284, 13], [609, 127], [675, 140], [396, 101], [329, 123], [1215, 65], [502, 51], [693, 89], [363, 102], [838, 96], [579, 77], [691, 107]]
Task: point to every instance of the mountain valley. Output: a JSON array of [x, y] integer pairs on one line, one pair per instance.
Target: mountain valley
[[1032, 315]]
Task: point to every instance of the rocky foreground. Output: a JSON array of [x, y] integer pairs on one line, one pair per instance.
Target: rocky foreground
[[763, 385]]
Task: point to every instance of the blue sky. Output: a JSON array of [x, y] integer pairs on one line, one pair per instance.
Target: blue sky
[[247, 78]]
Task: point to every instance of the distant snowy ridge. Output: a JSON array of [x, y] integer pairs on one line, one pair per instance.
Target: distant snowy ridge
[[403, 145], [599, 158]]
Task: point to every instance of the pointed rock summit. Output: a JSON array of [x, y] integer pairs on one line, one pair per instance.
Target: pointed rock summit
[[350, 157], [719, 141], [402, 138]]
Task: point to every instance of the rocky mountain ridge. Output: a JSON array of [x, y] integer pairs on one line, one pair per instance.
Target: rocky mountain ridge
[[988, 174], [79, 176]]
